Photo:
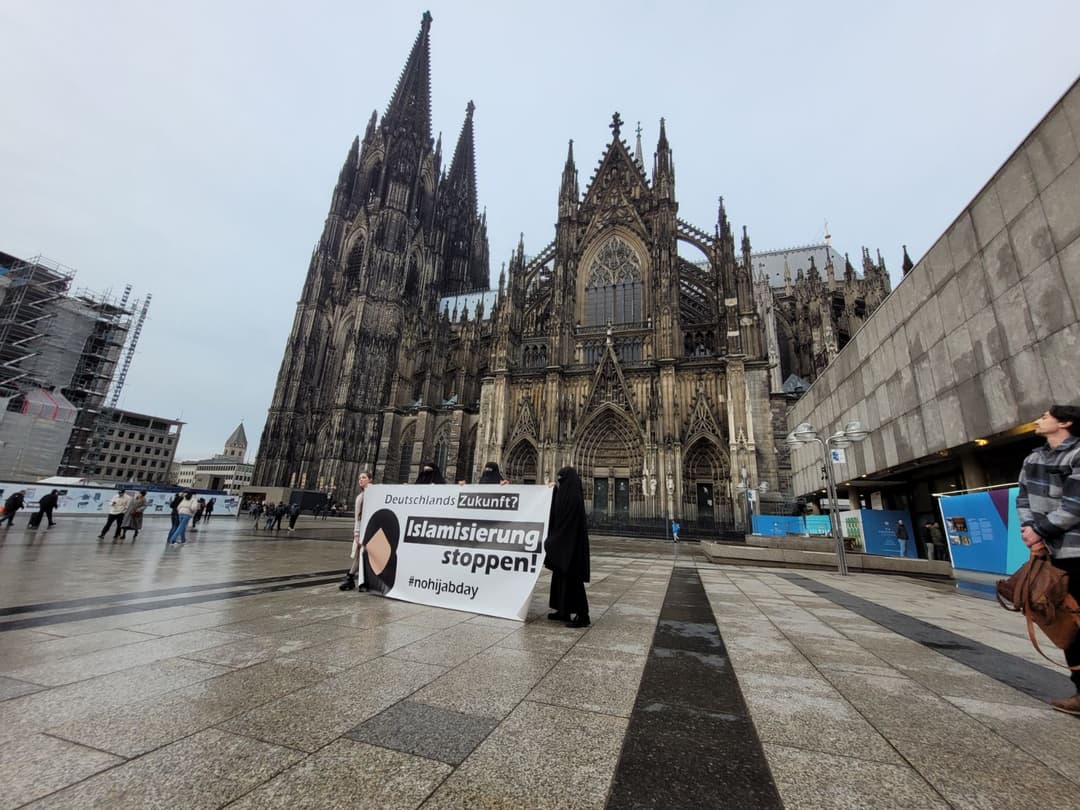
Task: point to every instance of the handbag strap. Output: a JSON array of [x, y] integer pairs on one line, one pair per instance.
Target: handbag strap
[[1038, 649]]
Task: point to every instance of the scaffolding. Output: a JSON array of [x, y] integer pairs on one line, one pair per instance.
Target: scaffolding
[[31, 290], [92, 378]]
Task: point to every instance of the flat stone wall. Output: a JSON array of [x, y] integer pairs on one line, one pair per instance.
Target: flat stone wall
[[982, 334]]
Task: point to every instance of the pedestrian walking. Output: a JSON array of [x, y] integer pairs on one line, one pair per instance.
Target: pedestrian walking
[[567, 551], [118, 507], [271, 508], [1048, 505], [13, 504], [200, 507], [256, 513], [209, 510], [45, 509], [675, 530], [294, 513], [134, 517], [902, 537], [185, 511], [280, 511], [174, 515]]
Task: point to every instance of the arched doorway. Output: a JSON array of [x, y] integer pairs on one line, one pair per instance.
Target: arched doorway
[[705, 476], [608, 458], [521, 463]]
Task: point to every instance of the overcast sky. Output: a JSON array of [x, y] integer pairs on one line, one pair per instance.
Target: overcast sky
[[191, 148]]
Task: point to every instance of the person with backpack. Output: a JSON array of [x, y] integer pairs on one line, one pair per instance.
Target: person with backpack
[[1048, 506], [13, 504]]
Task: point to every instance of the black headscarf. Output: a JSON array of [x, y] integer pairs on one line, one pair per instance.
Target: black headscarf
[[491, 474], [567, 545], [429, 474]]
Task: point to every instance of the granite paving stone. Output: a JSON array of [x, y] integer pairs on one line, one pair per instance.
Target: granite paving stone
[[490, 684], [206, 770], [793, 711], [57, 648], [11, 688], [546, 638], [38, 765], [429, 731], [364, 644], [249, 651], [596, 680], [104, 662], [310, 718], [818, 781], [347, 774], [136, 728], [539, 757], [39, 710]]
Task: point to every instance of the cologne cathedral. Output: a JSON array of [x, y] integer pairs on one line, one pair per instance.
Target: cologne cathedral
[[656, 357]]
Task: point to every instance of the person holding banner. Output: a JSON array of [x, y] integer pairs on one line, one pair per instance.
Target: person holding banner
[[1048, 505], [357, 555], [430, 474], [492, 475], [567, 551]]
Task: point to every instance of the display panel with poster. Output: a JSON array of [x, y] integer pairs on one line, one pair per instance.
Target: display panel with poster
[[983, 530]]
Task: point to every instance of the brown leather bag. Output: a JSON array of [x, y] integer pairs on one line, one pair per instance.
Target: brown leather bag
[[1041, 592]]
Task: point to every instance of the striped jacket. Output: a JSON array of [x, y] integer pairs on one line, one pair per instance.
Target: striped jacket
[[1049, 499]]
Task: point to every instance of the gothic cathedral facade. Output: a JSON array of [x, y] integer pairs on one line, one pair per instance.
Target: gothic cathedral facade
[[646, 352]]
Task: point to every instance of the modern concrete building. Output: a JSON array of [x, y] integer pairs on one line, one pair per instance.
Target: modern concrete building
[[136, 447], [976, 341]]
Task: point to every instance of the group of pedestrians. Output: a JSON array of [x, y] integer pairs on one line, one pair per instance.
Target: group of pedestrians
[[274, 514], [126, 514], [566, 547]]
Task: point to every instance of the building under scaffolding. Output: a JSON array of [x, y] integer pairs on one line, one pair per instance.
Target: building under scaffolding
[[59, 354], [93, 375]]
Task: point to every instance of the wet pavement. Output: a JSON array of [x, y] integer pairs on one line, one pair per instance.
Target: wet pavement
[[232, 671]]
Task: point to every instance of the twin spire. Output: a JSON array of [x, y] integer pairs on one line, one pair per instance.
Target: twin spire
[[411, 102]]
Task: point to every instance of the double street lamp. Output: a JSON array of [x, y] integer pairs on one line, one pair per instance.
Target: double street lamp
[[853, 432]]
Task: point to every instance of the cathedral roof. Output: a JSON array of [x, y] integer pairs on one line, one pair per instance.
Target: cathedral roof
[[237, 438], [773, 262], [468, 301]]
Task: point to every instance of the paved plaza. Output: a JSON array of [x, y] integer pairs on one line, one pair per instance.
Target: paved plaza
[[233, 672]]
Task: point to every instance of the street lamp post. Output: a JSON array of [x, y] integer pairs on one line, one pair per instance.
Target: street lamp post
[[853, 432]]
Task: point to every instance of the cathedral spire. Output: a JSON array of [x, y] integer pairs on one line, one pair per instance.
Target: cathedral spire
[[664, 165], [638, 151], [411, 102], [908, 263], [568, 191], [462, 177]]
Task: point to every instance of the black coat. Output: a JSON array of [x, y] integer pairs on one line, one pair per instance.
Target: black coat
[[48, 501], [14, 503], [567, 545]]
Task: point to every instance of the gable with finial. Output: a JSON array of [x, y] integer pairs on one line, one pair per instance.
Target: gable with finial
[[609, 385], [702, 422], [525, 425], [618, 182]]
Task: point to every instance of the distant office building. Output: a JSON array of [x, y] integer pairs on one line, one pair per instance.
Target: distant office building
[[135, 447], [227, 471]]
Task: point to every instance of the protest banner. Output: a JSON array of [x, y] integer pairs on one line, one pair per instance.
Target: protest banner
[[477, 548]]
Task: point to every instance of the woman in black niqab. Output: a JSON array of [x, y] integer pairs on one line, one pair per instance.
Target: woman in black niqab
[[430, 474], [491, 474], [567, 550]]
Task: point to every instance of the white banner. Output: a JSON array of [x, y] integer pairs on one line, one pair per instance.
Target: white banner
[[95, 500], [478, 548]]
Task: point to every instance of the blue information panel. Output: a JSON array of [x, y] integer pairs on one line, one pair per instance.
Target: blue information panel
[[778, 525], [818, 524], [882, 533], [983, 530]]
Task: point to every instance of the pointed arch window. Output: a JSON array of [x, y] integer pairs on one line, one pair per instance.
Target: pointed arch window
[[613, 292]]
